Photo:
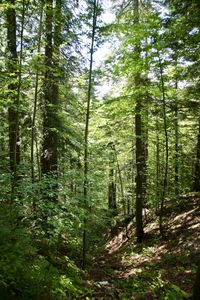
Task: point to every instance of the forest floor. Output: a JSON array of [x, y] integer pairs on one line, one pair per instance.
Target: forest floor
[[155, 269]]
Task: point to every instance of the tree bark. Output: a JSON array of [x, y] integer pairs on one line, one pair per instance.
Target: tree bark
[[176, 147], [196, 288], [13, 114], [112, 205], [140, 146], [165, 179], [158, 172], [197, 165], [140, 156], [176, 150], [49, 159], [89, 93], [49, 153], [33, 129], [120, 181]]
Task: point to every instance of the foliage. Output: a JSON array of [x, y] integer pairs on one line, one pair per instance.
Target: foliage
[[26, 271], [153, 62]]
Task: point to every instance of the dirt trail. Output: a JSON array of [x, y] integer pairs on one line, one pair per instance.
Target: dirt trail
[[103, 275]]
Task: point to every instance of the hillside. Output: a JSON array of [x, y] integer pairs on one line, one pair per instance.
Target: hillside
[[156, 269]]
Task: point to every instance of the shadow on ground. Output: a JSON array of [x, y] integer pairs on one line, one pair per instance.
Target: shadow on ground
[[157, 268]]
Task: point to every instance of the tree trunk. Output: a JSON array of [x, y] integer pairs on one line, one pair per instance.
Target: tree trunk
[[196, 288], [140, 156], [13, 115], [89, 93], [140, 146], [121, 182], [176, 148], [33, 130], [165, 179], [158, 173], [49, 159], [197, 165], [112, 205]]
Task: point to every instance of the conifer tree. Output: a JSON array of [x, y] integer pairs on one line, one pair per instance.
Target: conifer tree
[[49, 159], [87, 119], [13, 110], [140, 145]]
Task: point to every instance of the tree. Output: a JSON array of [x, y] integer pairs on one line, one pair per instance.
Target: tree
[[13, 110], [33, 129], [49, 159], [87, 119], [112, 204], [140, 145], [197, 165], [196, 288], [186, 40], [165, 179]]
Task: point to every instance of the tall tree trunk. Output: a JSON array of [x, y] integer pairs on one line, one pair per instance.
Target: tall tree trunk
[[196, 288], [165, 179], [120, 182], [129, 196], [197, 164], [158, 173], [13, 115], [49, 159], [140, 156], [140, 146], [89, 93], [176, 149], [112, 204], [33, 129], [133, 177], [176, 146]]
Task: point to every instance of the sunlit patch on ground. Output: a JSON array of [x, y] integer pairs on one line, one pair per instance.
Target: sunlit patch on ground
[[157, 268]]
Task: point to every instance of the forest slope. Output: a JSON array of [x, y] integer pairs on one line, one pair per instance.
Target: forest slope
[[156, 269]]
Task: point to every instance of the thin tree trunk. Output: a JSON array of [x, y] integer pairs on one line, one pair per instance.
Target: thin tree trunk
[[139, 172], [197, 164], [38, 159], [133, 179], [112, 205], [121, 183], [24, 8], [140, 146], [89, 93], [158, 180], [13, 115], [49, 158], [122, 189], [33, 131], [129, 196], [176, 148], [196, 287], [166, 149]]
